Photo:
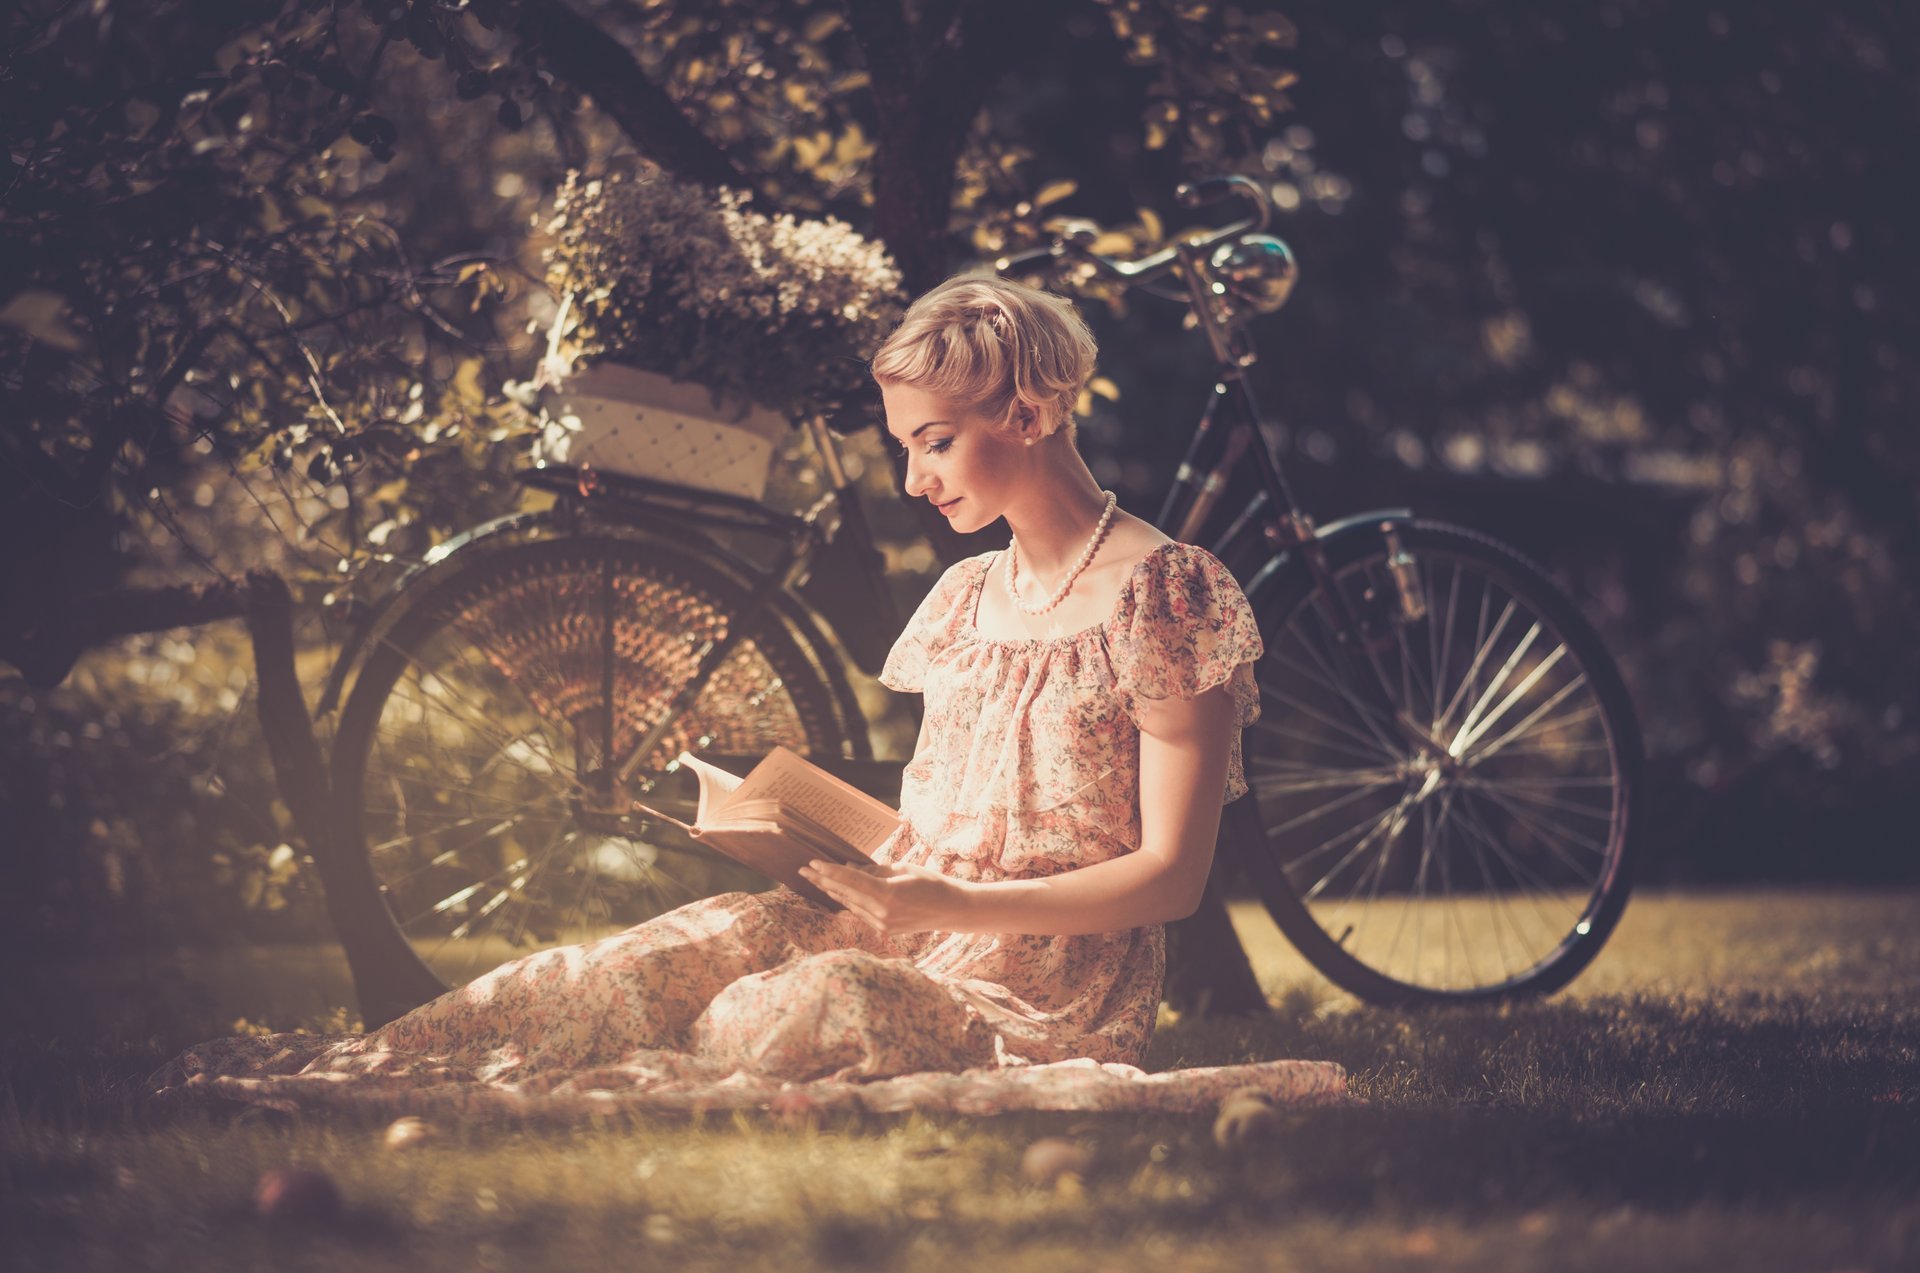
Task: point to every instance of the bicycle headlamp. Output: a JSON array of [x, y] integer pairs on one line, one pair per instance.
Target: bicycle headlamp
[[1257, 272]]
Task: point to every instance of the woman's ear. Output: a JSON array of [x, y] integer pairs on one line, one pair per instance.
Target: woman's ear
[[1026, 422]]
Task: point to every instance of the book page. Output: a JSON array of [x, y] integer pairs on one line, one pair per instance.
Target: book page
[[717, 786], [817, 795]]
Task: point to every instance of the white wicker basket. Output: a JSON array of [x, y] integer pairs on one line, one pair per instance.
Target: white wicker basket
[[618, 419]]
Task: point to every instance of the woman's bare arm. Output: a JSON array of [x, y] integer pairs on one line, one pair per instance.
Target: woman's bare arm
[[1184, 746]]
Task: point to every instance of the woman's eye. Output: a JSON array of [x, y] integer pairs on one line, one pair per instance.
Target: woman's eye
[[933, 448]]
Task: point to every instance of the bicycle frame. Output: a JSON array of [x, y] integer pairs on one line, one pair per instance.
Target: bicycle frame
[[1272, 538]]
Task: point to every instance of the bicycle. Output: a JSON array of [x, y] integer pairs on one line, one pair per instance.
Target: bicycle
[[1445, 744]]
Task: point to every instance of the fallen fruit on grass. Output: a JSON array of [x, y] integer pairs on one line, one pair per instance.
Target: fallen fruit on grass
[[1051, 1157], [409, 1132], [1246, 1115], [303, 1195]]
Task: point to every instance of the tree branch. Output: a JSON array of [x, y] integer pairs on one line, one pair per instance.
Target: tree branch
[[600, 66], [44, 643]]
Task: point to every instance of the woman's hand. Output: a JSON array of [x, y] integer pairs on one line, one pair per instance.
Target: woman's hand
[[894, 897]]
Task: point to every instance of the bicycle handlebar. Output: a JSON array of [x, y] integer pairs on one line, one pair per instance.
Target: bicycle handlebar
[[1073, 241], [1197, 194]]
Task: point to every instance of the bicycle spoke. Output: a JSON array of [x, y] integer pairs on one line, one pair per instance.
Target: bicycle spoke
[[1480, 841], [1328, 807], [1389, 819], [1321, 779], [1377, 742], [471, 715], [1400, 929], [1483, 645], [459, 896], [1509, 780], [1486, 878], [1524, 876], [1443, 655], [1578, 682], [476, 718], [1535, 798], [1268, 724], [1569, 720], [1369, 715], [480, 798], [1329, 844], [394, 878], [1519, 692], [1556, 843], [1472, 717], [1407, 665]]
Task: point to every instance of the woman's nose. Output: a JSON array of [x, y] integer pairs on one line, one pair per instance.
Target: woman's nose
[[916, 483]]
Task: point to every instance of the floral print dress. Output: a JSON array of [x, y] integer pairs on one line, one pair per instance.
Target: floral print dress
[[1027, 765]]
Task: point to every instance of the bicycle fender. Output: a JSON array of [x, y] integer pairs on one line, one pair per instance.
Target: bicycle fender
[[803, 619], [457, 552], [381, 610], [1333, 534]]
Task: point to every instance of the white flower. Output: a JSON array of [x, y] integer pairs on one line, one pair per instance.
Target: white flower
[[701, 286]]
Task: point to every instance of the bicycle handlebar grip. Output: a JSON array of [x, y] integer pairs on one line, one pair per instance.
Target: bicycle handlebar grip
[[1021, 260], [1195, 194]]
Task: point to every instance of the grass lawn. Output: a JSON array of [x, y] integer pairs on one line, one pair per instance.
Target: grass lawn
[[1734, 1085]]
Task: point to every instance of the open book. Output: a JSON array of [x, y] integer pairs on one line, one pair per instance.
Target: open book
[[782, 815]]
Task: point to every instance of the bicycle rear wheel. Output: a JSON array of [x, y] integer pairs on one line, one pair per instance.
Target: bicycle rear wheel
[[1476, 843], [475, 754]]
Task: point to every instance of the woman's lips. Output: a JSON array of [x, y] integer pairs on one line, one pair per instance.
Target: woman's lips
[[948, 507]]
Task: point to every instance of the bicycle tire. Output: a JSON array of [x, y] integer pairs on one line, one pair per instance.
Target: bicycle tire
[[1322, 738], [469, 759]]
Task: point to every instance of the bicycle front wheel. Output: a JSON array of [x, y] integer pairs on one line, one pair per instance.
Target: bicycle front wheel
[[1445, 794], [477, 754]]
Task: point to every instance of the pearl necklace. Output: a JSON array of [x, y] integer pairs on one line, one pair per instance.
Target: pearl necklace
[[1086, 556]]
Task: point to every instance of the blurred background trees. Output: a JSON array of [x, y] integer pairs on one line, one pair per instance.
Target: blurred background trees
[[1624, 284]]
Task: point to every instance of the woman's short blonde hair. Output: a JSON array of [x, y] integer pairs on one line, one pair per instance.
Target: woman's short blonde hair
[[990, 343]]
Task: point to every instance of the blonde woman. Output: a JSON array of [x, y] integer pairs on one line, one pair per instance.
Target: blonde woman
[[1085, 692]]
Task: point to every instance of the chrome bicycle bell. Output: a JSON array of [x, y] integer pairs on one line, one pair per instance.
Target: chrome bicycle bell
[[1256, 272]]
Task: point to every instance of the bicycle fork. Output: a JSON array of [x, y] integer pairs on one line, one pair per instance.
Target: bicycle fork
[[1290, 529]]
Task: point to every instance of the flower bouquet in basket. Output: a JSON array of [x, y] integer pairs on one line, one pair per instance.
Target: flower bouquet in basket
[[692, 330]]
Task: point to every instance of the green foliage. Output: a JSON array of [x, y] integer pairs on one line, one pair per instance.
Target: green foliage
[[141, 809], [195, 214]]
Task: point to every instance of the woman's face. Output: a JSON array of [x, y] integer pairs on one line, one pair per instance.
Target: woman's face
[[956, 458]]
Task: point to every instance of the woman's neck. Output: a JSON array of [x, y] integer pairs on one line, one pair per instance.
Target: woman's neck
[[1052, 524]]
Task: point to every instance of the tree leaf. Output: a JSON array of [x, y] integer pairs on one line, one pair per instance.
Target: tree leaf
[[42, 315], [1054, 192]]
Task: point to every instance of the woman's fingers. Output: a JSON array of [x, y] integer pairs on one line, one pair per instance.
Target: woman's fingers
[[850, 887]]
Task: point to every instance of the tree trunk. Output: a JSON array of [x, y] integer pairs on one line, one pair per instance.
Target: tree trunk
[[388, 977]]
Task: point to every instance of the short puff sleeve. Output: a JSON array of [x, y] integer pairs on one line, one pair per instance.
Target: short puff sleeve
[[931, 628], [1182, 627]]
